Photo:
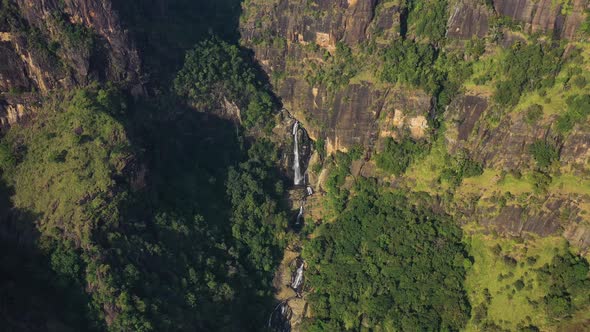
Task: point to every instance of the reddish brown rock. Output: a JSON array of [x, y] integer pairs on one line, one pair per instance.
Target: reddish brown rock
[[386, 24]]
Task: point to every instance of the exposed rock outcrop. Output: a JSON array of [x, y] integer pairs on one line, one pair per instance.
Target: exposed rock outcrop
[[548, 220], [289, 35], [112, 55], [545, 15], [64, 44], [468, 19], [501, 146]]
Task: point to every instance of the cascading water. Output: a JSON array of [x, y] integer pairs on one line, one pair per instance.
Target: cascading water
[[299, 215], [279, 319], [296, 168], [298, 280]]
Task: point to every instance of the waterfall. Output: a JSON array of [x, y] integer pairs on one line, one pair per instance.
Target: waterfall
[[309, 191], [298, 281], [298, 178], [299, 215], [280, 317]]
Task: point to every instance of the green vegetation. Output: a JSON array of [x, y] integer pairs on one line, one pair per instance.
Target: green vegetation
[[544, 153], [386, 263], [585, 27], [67, 165], [74, 36], [158, 213], [493, 281], [151, 256], [578, 109], [461, 167], [527, 67], [215, 71], [567, 278], [423, 66], [412, 63], [46, 51], [337, 71], [428, 18], [9, 15], [66, 174], [396, 157], [475, 48], [258, 225], [533, 114], [337, 193]]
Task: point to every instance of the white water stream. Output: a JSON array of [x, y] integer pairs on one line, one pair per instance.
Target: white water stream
[[298, 177], [298, 277], [299, 215]]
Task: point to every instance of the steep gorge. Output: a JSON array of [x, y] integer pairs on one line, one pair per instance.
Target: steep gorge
[[200, 163]]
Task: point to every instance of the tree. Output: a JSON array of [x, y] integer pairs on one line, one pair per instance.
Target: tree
[[387, 261]]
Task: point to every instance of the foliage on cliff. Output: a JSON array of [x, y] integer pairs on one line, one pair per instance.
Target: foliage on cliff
[[258, 224], [67, 162], [567, 277], [215, 70], [387, 262], [527, 67], [182, 252]]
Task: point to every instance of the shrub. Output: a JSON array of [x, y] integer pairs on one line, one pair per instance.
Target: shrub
[[566, 276], [215, 70], [7, 159], [578, 110], [519, 284], [396, 157], [412, 63], [544, 153], [320, 147], [337, 71], [471, 168], [527, 68], [429, 18], [385, 228], [511, 262], [540, 181], [579, 81], [475, 47]]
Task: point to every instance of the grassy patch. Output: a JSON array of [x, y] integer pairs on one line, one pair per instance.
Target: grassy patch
[[425, 172], [492, 181], [570, 184], [508, 302]]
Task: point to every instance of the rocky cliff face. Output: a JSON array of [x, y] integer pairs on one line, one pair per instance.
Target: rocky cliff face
[[468, 19], [292, 39], [505, 147], [545, 15], [63, 44], [287, 35]]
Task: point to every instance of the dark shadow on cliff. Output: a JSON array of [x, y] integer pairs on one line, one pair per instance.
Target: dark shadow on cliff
[[166, 29], [188, 155], [32, 296]]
